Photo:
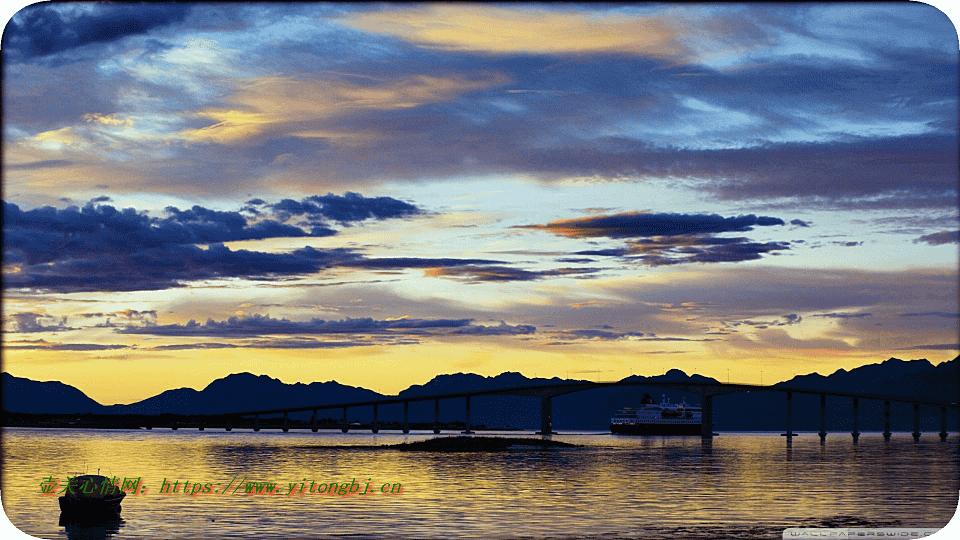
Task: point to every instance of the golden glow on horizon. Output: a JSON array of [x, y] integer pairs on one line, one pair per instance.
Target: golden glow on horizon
[[388, 370]]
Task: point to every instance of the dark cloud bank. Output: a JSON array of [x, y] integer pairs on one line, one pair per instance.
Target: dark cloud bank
[[659, 239], [100, 248]]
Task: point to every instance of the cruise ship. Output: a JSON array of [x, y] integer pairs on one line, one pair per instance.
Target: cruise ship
[[657, 419]]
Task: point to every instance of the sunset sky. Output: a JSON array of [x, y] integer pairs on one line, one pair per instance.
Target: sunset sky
[[380, 193]]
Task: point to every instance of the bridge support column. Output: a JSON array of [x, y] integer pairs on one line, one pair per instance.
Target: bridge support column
[[916, 422], [201, 425], [789, 434], [229, 425], [467, 431], [313, 421], [344, 426], [375, 427], [436, 415], [174, 427], [546, 416], [706, 426], [256, 423], [286, 423], [823, 419], [943, 424], [856, 420], [886, 420], [406, 417]]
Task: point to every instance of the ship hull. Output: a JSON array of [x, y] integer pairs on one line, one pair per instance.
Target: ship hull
[[91, 505], [655, 429]]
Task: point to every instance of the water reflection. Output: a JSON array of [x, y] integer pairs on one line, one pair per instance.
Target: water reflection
[[90, 527], [736, 484]]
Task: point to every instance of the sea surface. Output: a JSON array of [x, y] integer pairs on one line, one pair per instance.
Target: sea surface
[[740, 485]]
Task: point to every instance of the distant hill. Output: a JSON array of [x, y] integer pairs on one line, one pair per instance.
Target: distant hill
[[24, 395], [759, 410], [917, 379], [244, 392]]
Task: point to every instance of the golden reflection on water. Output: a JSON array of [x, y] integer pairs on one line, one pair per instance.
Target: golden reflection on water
[[614, 486]]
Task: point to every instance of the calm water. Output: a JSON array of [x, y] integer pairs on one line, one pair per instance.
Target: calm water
[[742, 485]]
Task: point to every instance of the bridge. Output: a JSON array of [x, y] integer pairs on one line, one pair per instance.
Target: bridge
[[546, 392]]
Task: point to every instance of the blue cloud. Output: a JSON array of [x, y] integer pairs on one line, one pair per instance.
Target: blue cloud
[[264, 325], [43, 29], [637, 224], [102, 248], [348, 208]]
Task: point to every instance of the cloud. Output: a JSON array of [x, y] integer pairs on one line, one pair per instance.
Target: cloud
[[618, 252], [640, 224], [666, 239], [799, 223], [45, 346], [935, 347], [192, 346], [940, 238], [350, 207], [503, 329], [839, 315], [699, 249], [931, 314], [488, 273], [785, 320], [565, 337], [600, 334], [41, 30], [102, 248], [502, 30], [298, 343], [261, 325], [42, 164], [34, 322]]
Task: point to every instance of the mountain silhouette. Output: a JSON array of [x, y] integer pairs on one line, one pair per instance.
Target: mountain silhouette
[[24, 395], [244, 392], [757, 410]]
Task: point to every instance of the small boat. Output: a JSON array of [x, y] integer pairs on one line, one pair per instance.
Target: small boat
[[91, 494]]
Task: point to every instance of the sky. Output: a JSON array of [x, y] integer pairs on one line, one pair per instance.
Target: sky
[[377, 194]]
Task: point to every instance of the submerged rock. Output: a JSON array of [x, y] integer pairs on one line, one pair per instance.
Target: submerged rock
[[477, 444]]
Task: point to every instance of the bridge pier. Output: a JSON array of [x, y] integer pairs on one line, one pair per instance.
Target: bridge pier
[[943, 424], [916, 422], [201, 425], [229, 426], [313, 421], [546, 416], [406, 417], [436, 416], [467, 431], [374, 427], [886, 420], [823, 419], [856, 420], [706, 426], [286, 423], [344, 426], [174, 427], [256, 422], [789, 434]]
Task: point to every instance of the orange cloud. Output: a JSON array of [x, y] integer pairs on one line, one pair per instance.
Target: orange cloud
[[509, 30], [275, 100]]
